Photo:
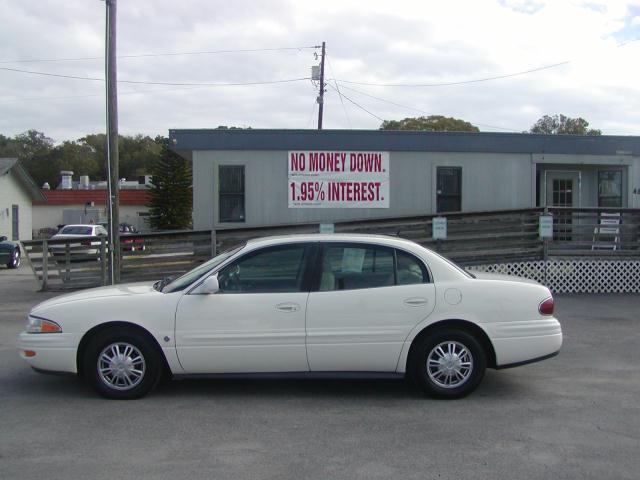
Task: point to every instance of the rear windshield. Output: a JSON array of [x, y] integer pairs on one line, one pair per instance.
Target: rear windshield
[[75, 230]]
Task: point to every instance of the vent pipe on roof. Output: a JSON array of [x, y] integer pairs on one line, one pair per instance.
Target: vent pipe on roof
[[67, 180], [84, 182]]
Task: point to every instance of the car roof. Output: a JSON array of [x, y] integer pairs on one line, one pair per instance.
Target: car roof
[[334, 237]]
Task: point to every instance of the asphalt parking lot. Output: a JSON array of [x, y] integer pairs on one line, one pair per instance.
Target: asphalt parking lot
[[576, 416]]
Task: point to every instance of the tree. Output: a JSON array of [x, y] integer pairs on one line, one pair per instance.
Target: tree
[[434, 123], [170, 194], [563, 125], [33, 149]]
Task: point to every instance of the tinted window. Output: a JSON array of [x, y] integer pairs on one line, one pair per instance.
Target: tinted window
[[271, 270], [410, 269], [231, 185], [76, 231], [348, 267]]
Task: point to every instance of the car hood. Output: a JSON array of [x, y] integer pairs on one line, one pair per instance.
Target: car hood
[[503, 278], [8, 246], [123, 290]]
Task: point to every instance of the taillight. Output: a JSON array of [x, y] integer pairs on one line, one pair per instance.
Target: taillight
[[546, 307]]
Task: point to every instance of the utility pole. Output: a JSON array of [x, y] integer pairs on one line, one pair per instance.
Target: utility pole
[[321, 96], [113, 203]]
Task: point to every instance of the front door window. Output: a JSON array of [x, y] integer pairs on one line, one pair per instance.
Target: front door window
[[563, 192]]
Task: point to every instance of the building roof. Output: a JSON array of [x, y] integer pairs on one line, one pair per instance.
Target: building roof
[[13, 165], [98, 197], [185, 141]]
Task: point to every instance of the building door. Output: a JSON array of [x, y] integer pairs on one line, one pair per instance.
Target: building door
[[563, 190], [448, 189], [15, 223]]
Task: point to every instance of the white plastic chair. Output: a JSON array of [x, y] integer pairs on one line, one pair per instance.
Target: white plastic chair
[[606, 236]]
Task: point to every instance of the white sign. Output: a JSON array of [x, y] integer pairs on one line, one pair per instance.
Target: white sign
[[338, 179], [546, 226], [439, 228]]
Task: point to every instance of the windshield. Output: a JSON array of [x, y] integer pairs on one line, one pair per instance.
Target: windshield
[[191, 276], [76, 230]]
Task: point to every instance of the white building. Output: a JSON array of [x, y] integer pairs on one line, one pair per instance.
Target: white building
[[17, 192], [273, 177]]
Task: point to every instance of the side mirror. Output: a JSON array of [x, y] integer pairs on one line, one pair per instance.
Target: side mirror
[[210, 285], [2, 238]]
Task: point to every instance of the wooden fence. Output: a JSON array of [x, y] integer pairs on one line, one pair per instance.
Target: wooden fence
[[472, 239]]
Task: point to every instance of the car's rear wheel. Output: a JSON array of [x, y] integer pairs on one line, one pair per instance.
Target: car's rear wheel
[[122, 364], [448, 363], [14, 260]]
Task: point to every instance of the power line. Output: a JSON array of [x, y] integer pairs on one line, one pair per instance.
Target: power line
[[358, 105], [463, 82], [422, 111], [339, 94], [143, 82], [475, 80], [163, 54], [133, 92], [313, 111]]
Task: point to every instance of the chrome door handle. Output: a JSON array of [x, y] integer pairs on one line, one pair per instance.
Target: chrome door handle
[[415, 301], [288, 307]]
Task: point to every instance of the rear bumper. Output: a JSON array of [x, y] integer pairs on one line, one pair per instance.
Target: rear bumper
[[519, 343], [527, 362]]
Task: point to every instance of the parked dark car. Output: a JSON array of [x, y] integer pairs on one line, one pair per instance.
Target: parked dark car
[[9, 253]]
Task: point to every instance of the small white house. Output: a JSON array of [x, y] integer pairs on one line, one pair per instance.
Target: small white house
[[17, 192]]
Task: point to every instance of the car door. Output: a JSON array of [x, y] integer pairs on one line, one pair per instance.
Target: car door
[[368, 299], [256, 322]]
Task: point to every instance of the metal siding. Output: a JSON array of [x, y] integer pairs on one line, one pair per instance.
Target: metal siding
[[412, 177]]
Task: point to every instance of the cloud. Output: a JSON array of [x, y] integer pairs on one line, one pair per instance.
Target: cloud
[[382, 42]]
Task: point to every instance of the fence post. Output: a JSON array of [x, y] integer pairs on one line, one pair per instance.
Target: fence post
[[103, 261], [67, 261], [213, 243], [45, 264]]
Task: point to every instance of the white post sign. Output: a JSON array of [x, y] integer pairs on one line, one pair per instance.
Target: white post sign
[[545, 227], [338, 179], [439, 228]]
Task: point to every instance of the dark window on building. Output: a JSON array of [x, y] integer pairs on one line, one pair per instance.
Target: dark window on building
[[231, 190], [279, 269], [610, 188], [449, 189], [15, 223]]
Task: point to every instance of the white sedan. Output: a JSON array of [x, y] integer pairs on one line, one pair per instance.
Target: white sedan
[[303, 305]]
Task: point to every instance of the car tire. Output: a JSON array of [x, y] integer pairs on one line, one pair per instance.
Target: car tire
[[14, 260], [448, 363], [122, 364]]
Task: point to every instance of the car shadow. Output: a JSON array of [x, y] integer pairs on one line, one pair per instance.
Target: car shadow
[[495, 386]]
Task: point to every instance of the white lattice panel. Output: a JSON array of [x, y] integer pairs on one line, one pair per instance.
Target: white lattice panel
[[575, 276]]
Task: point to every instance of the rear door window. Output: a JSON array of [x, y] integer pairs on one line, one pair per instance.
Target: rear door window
[[354, 266]]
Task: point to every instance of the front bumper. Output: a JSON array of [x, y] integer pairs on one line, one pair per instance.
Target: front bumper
[[54, 352]]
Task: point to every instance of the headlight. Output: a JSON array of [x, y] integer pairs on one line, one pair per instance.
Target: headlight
[[42, 325]]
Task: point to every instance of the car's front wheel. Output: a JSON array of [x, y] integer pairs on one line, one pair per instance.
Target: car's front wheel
[[449, 363], [122, 364], [14, 260]]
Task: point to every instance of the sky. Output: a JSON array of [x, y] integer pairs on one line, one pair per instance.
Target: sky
[[386, 60]]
